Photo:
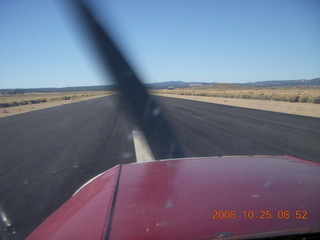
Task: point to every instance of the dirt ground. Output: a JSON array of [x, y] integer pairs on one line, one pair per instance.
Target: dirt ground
[[304, 109], [9, 111]]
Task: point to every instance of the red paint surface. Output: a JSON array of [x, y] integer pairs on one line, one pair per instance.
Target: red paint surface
[[85, 215], [175, 199]]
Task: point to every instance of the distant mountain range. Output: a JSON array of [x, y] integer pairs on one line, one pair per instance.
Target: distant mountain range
[[170, 84], [176, 84], [285, 83], [272, 83], [65, 89]]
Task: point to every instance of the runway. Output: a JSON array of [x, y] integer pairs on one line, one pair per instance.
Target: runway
[[46, 155], [208, 129]]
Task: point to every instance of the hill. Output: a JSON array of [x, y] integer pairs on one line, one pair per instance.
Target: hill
[[172, 84], [285, 83]]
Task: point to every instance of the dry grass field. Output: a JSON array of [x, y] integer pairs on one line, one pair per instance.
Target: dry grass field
[[11, 104], [304, 109], [287, 94], [293, 100], [11, 100]]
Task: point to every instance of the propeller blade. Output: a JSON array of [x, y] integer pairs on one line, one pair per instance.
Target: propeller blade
[[146, 112]]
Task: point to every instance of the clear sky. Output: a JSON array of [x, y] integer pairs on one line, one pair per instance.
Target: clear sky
[[182, 40]]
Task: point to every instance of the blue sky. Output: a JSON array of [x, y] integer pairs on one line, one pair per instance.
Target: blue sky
[[184, 40]]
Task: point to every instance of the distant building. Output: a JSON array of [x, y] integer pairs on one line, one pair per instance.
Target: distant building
[[170, 87]]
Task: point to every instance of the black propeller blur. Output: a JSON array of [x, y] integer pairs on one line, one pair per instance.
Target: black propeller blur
[[146, 112]]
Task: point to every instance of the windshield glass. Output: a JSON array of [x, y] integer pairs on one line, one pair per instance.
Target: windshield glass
[[226, 78]]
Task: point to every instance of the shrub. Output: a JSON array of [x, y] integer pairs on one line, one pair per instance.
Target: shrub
[[315, 99], [303, 99], [23, 102], [4, 105], [293, 98]]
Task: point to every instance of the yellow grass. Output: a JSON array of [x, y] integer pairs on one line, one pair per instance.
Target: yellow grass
[[288, 94], [304, 109], [11, 100]]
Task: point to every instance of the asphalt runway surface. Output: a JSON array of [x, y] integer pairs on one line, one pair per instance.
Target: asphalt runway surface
[[46, 155]]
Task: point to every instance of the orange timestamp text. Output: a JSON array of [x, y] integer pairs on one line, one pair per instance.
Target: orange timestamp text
[[264, 214]]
